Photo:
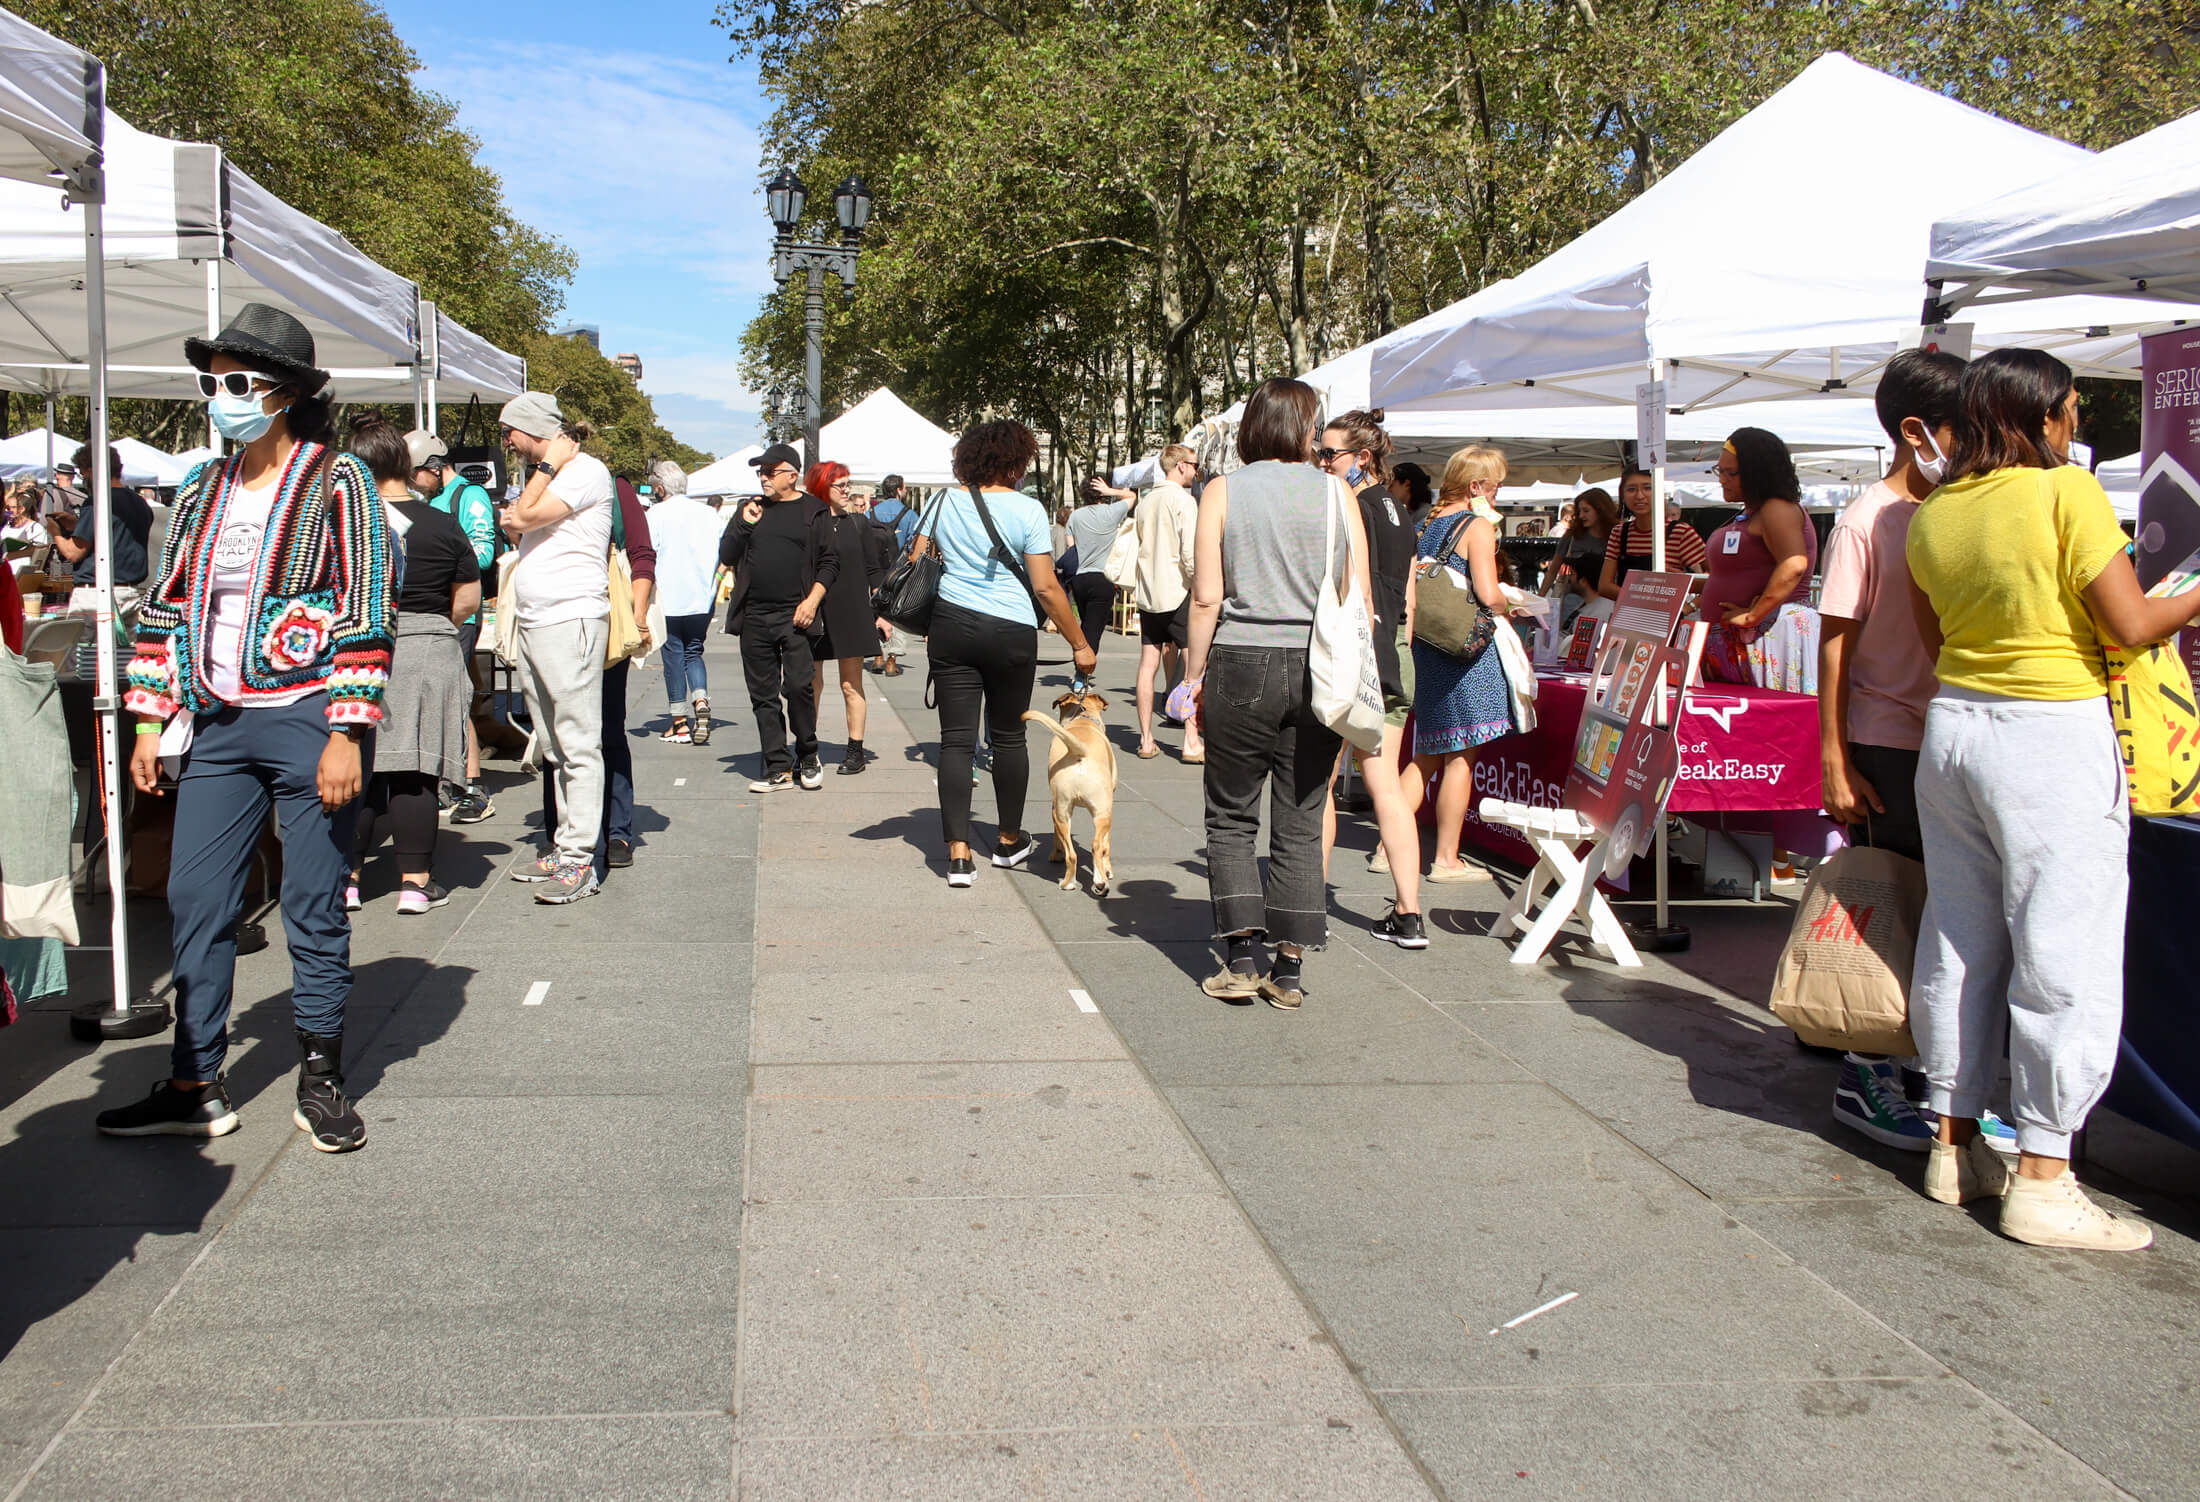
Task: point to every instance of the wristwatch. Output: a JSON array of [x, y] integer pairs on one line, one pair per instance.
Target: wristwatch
[[543, 467]]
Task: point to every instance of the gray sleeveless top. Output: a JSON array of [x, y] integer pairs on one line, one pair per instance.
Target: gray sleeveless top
[[1272, 554]]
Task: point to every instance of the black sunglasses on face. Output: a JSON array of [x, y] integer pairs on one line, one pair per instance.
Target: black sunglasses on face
[[1329, 455], [233, 383]]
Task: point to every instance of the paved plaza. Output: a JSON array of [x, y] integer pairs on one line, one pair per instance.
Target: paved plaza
[[780, 1170]]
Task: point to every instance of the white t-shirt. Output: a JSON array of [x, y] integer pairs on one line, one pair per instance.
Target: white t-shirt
[[236, 552], [30, 532], [560, 573]]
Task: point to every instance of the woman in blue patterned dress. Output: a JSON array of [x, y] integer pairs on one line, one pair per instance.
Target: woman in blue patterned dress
[[1458, 705]]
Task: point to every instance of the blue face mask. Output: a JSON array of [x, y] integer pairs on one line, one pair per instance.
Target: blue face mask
[[239, 418], [1355, 475]]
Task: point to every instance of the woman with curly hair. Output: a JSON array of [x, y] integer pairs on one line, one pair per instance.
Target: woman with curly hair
[[264, 650], [984, 641]]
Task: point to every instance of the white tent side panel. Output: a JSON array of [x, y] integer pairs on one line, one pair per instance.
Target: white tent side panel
[[881, 435], [469, 365], [51, 99], [728, 476]]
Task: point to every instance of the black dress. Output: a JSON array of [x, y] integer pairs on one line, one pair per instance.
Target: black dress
[[847, 627]]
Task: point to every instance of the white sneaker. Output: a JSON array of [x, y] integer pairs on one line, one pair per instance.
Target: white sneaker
[[2056, 1212], [1380, 860], [1958, 1175]]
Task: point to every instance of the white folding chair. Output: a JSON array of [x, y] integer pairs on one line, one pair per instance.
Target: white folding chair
[[1569, 873]]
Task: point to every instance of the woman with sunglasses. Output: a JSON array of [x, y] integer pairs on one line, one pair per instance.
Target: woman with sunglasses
[[848, 633], [264, 649]]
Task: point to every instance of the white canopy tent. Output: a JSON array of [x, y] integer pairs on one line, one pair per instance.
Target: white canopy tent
[[2125, 223], [142, 464], [52, 118], [1771, 302], [2120, 478], [190, 239], [40, 448], [731, 475], [881, 436]]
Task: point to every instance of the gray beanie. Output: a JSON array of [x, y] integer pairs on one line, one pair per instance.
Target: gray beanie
[[534, 413]]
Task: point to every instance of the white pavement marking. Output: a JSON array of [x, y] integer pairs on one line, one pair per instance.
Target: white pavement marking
[[535, 993], [679, 782], [1083, 1000], [1521, 1319]]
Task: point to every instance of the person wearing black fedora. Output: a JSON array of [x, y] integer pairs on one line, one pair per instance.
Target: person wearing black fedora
[[263, 652], [781, 552]]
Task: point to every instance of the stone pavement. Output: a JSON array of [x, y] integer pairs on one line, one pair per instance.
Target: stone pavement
[[807, 1177]]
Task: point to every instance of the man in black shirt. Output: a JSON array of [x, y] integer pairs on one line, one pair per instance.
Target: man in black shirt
[[127, 535], [780, 551]]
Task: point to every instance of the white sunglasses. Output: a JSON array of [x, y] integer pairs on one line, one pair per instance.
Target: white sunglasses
[[233, 383]]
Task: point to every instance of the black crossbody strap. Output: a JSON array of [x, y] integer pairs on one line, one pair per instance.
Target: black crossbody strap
[[1000, 549]]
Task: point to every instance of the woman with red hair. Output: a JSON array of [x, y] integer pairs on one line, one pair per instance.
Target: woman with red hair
[[848, 633]]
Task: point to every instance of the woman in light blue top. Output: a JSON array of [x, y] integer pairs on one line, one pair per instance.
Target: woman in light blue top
[[984, 641]]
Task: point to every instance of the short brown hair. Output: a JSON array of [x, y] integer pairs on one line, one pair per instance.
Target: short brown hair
[[1282, 417], [998, 452], [1178, 453]]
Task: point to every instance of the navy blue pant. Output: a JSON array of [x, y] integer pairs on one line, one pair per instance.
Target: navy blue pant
[[618, 775], [241, 762]]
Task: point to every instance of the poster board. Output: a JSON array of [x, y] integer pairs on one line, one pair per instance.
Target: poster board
[[1625, 760], [1581, 646], [2168, 533], [1650, 425]]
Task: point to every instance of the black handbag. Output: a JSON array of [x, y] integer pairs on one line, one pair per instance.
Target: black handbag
[[911, 589]]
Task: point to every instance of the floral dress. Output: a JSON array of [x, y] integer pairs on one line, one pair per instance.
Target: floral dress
[[1456, 705]]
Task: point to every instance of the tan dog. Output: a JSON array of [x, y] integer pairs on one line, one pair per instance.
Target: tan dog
[[1081, 774]]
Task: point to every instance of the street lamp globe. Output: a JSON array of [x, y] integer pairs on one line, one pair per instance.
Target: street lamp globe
[[852, 202], [784, 197]]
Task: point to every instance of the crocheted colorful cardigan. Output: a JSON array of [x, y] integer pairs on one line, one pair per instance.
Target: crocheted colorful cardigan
[[320, 611]]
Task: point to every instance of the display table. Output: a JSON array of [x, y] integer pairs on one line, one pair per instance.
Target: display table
[[1746, 751], [2157, 1079]]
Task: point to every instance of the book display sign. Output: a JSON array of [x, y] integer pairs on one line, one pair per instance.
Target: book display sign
[[2168, 552], [1625, 761]]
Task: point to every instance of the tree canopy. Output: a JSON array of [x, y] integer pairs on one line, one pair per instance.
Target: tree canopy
[[1112, 217]]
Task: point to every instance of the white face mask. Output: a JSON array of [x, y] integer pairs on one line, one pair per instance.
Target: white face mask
[[1936, 467]]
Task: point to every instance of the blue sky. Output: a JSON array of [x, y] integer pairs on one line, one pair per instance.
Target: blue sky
[[624, 131]]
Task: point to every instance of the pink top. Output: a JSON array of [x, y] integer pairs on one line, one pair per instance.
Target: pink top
[[1868, 580], [1741, 566]]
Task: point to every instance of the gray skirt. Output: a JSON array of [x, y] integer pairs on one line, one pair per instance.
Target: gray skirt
[[424, 710]]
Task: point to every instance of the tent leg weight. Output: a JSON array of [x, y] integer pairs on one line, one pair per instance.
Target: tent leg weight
[[1651, 939], [97, 1022]]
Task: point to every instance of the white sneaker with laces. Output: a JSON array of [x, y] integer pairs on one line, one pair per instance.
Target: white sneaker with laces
[[2056, 1212], [1958, 1175]]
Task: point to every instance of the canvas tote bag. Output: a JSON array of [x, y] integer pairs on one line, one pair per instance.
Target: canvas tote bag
[[1340, 659]]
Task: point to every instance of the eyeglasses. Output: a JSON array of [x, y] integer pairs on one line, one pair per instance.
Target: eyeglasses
[[838, 485], [232, 383], [776, 471], [1329, 455]]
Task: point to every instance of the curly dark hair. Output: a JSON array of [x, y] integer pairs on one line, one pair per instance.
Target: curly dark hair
[[998, 452], [1767, 473]]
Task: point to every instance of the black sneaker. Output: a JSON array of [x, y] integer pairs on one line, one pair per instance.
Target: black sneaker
[[812, 776], [1008, 857], [472, 807], [202, 1111], [329, 1119], [415, 897], [1403, 930], [621, 856], [962, 872], [854, 763]]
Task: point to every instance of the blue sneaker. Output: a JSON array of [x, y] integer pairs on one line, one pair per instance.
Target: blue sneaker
[[1999, 1134], [1868, 1096]]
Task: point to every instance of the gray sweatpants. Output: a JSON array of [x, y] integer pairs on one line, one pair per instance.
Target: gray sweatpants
[[2027, 830], [561, 673]]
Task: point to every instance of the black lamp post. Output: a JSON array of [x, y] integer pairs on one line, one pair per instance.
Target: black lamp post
[[785, 197]]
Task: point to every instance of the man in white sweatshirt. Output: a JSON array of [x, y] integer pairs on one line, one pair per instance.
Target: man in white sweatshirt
[[1165, 521]]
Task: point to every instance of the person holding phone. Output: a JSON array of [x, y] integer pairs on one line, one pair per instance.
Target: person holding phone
[[781, 552]]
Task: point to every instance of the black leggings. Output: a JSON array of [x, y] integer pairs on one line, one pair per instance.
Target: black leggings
[[1095, 598], [411, 800], [982, 659]]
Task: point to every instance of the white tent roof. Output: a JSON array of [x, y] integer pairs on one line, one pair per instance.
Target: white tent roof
[[51, 95], [30, 449], [731, 475], [2120, 478], [468, 365], [1562, 443], [881, 436], [1729, 268], [2111, 222], [142, 464]]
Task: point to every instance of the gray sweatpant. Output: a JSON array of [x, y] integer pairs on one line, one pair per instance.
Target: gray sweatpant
[[561, 673], [2027, 830]]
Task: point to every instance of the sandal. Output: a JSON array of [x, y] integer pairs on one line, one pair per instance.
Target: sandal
[[1194, 758], [1148, 753], [678, 734]]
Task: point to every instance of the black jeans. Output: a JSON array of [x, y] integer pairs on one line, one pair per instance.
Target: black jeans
[[618, 775], [980, 659], [1095, 598], [778, 662], [1261, 731]]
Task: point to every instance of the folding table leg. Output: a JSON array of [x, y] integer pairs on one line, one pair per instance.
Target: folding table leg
[[1571, 873]]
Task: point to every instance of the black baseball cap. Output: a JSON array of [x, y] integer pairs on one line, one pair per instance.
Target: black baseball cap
[[776, 455]]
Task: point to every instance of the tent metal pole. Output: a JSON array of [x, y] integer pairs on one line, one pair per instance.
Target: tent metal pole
[[213, 329], [49, 433], [123, 1018], [1657, 564]]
